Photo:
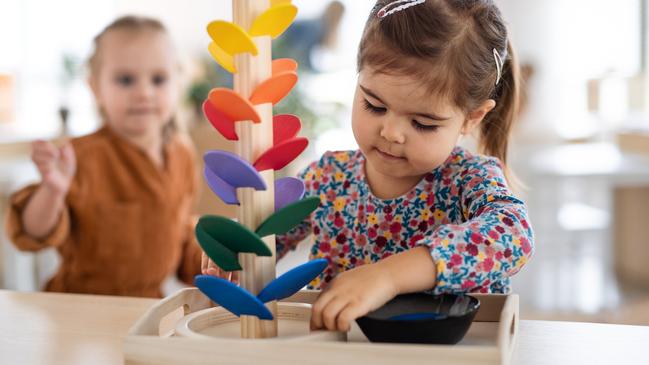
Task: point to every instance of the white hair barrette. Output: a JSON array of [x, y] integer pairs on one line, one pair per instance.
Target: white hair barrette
[[383, 12], [499, 66]]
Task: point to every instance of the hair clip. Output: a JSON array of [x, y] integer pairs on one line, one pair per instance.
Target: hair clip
[[407, 3], [499, 65]]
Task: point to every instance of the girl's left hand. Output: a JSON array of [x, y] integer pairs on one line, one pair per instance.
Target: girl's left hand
[[353, 294]]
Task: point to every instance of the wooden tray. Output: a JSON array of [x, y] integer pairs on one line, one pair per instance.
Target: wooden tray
[[490, 339]]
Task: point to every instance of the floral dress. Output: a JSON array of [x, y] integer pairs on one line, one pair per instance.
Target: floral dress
[[477, 232]]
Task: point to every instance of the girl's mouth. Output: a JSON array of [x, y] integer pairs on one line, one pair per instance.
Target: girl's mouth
[[388, 156], [141, 111]]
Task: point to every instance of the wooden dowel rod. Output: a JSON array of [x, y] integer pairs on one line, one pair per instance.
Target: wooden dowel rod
[[254, 139]]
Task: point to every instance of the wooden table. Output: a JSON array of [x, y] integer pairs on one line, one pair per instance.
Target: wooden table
[[44, 328]]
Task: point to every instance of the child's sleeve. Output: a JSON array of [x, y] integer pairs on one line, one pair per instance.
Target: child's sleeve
[[190, 261], [495, 241], [288, 241], [15, 228]]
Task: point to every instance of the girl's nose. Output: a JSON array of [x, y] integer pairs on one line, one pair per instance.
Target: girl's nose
[[144, 90], [391, 131]]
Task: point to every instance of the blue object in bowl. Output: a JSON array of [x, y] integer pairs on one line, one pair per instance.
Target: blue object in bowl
[[421, 318]]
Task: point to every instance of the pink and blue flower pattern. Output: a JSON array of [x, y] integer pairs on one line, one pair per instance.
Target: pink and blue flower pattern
[[478, 233]]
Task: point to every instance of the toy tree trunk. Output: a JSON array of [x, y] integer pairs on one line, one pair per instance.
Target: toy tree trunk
[[254, 138]]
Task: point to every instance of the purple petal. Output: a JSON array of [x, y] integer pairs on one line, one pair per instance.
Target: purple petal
[[233, 170], [223, 190], [287, 191]]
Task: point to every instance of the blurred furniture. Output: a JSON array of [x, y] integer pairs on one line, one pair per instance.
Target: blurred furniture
[[634, 141], [631, 235], [631, 209], [48, 328], [571, 196], [6, 98]]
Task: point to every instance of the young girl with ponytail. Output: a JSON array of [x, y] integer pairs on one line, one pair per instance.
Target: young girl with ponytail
[[410, 210]]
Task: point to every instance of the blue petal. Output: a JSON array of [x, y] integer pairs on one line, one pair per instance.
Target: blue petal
[[231, 297], [292, 281]]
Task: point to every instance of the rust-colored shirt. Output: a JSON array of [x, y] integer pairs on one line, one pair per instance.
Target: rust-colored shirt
[[127, 223]]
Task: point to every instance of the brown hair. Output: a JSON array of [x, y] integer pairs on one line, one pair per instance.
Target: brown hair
[[448, 44], [135, 24]]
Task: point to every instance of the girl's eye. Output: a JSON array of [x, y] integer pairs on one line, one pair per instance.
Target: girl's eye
[[159, 80], [423, 127], [125, 80], [373, 109]]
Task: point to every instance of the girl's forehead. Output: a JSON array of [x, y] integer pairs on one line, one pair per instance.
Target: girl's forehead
[[123, 48], [402, 90]]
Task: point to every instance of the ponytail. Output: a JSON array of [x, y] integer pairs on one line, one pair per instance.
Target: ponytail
[[496, 127]]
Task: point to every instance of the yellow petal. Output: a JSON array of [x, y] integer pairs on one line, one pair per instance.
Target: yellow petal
[[278, 2], [231, 38], [222, 58], [274, 21]]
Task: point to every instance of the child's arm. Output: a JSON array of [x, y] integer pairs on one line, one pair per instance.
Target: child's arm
[[289, 240], [457, 258], [42, 212], [37, 216], [493, 243], [56, 167]]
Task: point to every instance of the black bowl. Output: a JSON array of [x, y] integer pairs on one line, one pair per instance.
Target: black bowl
[[421, 318]]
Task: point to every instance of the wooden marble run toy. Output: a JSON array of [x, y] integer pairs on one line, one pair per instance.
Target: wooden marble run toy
[[265, 143], [205, 334]]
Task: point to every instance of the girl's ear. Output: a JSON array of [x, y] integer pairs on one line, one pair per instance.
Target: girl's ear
[[477, 115]]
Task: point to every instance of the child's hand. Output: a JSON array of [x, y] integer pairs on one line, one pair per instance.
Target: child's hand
[[353, 294], [56, 165], [208, 267]]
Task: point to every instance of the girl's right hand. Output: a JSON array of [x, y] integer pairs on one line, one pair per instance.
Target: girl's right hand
[[55, 165], [208, 267]]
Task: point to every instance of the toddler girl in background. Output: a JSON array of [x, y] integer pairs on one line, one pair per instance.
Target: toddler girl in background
[[410, 210], [117, 203]]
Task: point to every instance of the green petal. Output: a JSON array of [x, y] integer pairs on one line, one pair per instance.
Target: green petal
[[288, 217], [221, 255], [233, 235]]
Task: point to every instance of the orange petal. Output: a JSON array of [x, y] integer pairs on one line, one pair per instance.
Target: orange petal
[[284, 64], [233, 105], [274, 88]]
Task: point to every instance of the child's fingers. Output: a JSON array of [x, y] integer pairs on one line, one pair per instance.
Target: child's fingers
[[68, 158], [208, 267], [347, 315], [43, 158], [45, 149], [215, 267], [214, 272], [204, 263], [318, 307], [331, 311]]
